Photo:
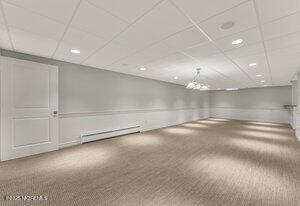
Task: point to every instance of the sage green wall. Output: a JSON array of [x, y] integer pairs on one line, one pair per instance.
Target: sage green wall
[[87, 89], [256, 98]]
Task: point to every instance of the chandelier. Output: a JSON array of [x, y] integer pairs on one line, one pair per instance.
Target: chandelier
[[196, 84]]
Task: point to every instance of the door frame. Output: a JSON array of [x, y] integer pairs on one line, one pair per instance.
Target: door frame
[[5, 62], [1, 106]]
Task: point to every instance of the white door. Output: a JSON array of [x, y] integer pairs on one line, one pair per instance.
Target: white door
[[29, 105]]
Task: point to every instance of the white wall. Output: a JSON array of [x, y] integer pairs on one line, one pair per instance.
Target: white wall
[[296, 101], [293, 110], [259, 104], [72, 125]]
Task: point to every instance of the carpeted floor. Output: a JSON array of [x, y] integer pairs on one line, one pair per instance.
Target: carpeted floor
[[214, 162]]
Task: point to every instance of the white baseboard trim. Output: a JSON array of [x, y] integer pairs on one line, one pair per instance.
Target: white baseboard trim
[[68, 144], [104, 134], [297, 133]]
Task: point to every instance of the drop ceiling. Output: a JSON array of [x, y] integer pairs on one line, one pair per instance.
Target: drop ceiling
[[170, 38]]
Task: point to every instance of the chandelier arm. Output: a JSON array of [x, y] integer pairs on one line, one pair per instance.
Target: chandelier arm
[[196, 84]]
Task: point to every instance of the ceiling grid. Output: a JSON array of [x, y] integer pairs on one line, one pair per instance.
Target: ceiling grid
[[170, 38]]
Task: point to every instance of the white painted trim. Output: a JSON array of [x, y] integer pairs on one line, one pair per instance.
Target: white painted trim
[[69, 144], [251, 108], [104, 134], [78, 142], [71, 127], [1, 107], [96, 113]]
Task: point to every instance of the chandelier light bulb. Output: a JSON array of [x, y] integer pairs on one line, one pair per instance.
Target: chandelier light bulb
[[191, 85], [196, 84]]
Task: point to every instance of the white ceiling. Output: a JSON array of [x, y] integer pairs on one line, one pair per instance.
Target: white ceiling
[[168, 37]]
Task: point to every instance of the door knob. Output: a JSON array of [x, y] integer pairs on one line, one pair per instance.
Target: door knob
[[55, 112]]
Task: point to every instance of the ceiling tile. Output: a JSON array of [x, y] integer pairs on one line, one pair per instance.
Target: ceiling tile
[[171, 60], [76, 39], [4, 38], [128, 62], [97, 21], [185, 39], [128, 10], [283, 41], [133, 63], [170, 64], [259, 59], [60, 10], [280, 80], [202, 50], [136, 38], [221, 64], [251, 36], [157, 51], [22, 19], [283, 26], [64, 53], [270, 10], [1, 17], [245, 51], [83, 39], [108, 55], [163, 21], [285, 57], [260, 68], [284, 63], [149, 54], [32, 44], [243, 16], [200, 10]]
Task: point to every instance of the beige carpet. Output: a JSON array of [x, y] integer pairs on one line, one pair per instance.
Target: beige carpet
[[206, 163]]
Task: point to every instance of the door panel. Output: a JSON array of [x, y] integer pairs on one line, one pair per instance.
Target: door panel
[[31, 87], [28, 131], [30, 92]]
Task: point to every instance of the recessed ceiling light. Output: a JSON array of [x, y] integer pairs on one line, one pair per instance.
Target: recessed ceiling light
[[142, 69], [227, 25], [259, 75], [75, 51], [252, 65], [238, 41], [231, 89], [175, 77], [262, 81]]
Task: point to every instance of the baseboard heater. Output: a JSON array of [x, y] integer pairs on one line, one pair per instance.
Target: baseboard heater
[[98, 135]]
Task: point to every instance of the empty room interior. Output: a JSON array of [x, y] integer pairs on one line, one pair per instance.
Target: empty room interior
[[150, 102]]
